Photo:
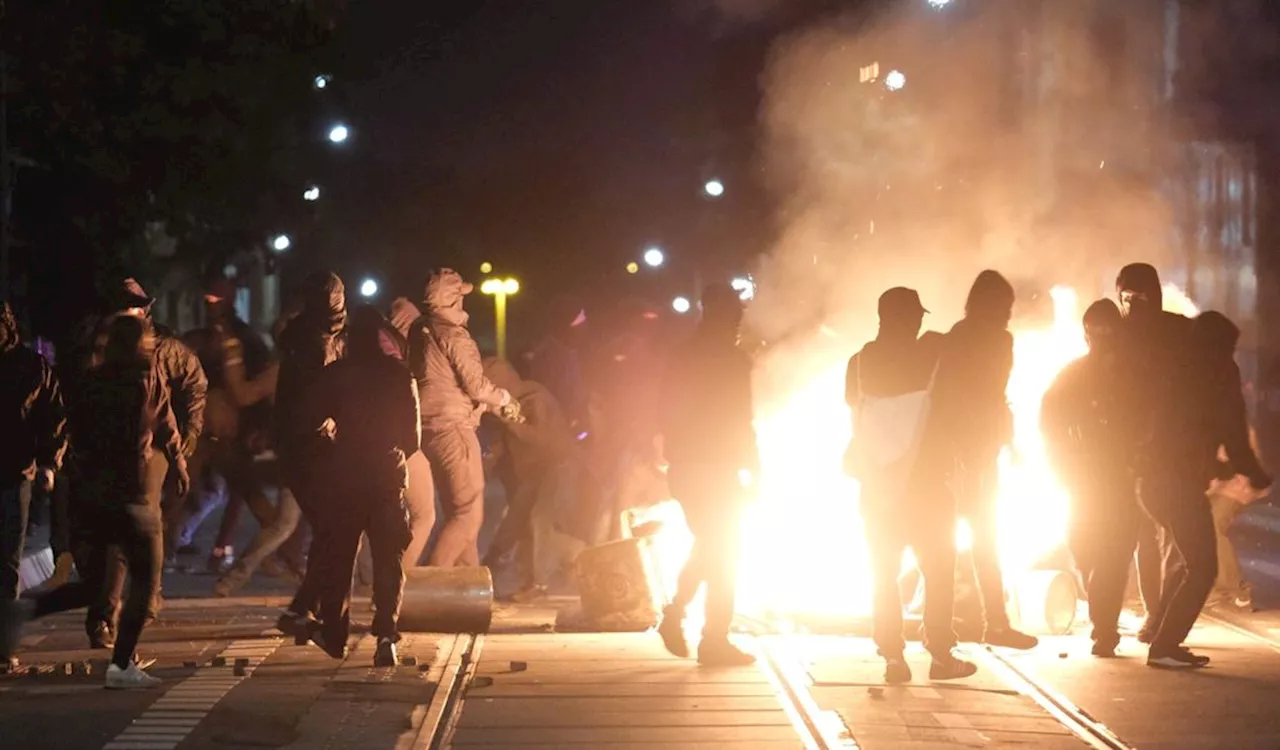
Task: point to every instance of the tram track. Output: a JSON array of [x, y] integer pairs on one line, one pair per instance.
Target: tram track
[[818, 729], [452, 678]]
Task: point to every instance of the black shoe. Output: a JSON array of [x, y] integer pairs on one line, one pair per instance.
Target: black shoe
[[1175, 658], [102, 637], [950, 667], [385, 655], [672, 631], [294, 625], [1010, 638], [1147, 633], [721, 653], [1104, 650], [896, 671], [315, 634]]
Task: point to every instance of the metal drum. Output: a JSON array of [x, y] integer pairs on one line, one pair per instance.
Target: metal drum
[[447, 600], [1045, 601], [617, 583]]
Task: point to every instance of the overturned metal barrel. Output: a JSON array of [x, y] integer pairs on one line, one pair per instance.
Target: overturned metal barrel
[[1045, 601], [447, 600]]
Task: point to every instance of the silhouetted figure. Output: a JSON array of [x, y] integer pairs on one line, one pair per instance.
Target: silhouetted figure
[[453, 392], [971, 414], [33, 439], [1089, 435], [904, 501], [704, 415]]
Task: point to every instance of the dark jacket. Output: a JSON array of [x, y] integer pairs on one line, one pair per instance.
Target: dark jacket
[[33, 423], [1087, 427], [1161, 357], [374, 403], [309, 343], [121, 415], [1223, 421], [970, 413], [212, 346], [705, 408], [543, 439], [884, 369]]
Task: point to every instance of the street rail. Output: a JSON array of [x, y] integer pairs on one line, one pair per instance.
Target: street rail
[[452, 680], [818, 729], [1075, 719]]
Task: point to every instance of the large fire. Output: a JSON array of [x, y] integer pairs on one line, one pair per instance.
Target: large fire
[[803, 548]]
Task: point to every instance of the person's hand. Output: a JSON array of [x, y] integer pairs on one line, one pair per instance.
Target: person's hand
[[328, 429], [511, 412], [45, 479], [182, 479]]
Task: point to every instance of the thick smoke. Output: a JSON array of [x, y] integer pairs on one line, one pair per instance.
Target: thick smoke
[[1023, 141]]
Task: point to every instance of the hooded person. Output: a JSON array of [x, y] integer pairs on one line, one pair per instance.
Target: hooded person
[[453, 392], [1088, 438], [537, 449], [310, 341], [971, 422], [705, 419], [904, 501], [33, 440], [403, 315], [370, 404]]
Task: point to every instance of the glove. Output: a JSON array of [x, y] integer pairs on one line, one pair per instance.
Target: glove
[[511, 412]]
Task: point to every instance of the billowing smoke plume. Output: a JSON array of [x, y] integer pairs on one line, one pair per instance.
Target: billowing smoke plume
[[1018, 140]]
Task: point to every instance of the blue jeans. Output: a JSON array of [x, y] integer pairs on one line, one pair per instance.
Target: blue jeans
[[15, 505]]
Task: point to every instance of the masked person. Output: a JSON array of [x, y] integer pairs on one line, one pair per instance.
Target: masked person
[[905, 502], [122, 414], [970, 411], [1182, 404], [453, 392], [310, 340], [369, 403], [183, 377], [33, 439], [705, 418], [1089, 435], [538, 449]]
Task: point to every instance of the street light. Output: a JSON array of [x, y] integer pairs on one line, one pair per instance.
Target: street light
[[895, 80], [281, 242], [321, 80], [713, 188], [654, 257], [681, 305], [311, 194], [633, 267], [939, 3], [500, 289], [368, 288], [486, 267], [339, 134], [745, 288]]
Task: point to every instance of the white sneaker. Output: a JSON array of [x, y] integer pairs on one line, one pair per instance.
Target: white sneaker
[[130, 679]]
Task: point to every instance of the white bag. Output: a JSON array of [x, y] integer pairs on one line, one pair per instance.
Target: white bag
[[886, 434]]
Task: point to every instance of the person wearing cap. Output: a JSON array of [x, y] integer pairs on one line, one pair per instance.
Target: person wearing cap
[[454, 392], [972, 418], [904, 499], [1088, 436], [705, 414]]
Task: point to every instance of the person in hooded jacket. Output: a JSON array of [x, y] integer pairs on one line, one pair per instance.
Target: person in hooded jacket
[[1088, 438], [310, 340], [454, 392], [121, 414], [971, 414], [537, 449], [33, 440], [183, 376], [912, 510], [705, 417], [370, 404], [1189, 404]]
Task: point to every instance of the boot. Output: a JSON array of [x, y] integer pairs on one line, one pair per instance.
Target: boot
[[896, 670], [719, 652], [672, 631]]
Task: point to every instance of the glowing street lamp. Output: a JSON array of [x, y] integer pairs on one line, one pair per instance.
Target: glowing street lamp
[[368, 288], [654, 257], [939, 3], [281, 242], [339, 133], [681, 305], [895, 80], [713, 188], [500, 289], [633, 267], [321, 80], [745, 288], [311, 194], [486, 267]]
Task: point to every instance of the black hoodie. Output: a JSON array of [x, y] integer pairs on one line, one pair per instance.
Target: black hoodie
[[308, 343], [32, 419], [1223, 420]]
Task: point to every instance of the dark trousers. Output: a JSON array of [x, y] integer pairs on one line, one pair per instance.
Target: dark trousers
[[337, 531], [306, 601], [458, 470], [15, 507], [978, 505], [99, 537], [517, 530], [713, 510], [59, 516], [1179, 507], [1103, 538], [930, 533], [110, 602], [1149, 562]]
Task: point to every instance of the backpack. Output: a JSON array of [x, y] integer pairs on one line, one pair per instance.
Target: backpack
[[886, 435]]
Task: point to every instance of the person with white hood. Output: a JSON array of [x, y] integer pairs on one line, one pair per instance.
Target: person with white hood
[[454, 392]]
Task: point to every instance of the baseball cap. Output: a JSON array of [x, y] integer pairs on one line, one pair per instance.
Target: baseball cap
[[900, 301]]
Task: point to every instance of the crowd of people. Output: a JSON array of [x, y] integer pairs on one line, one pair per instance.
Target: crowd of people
[[351, 431]]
